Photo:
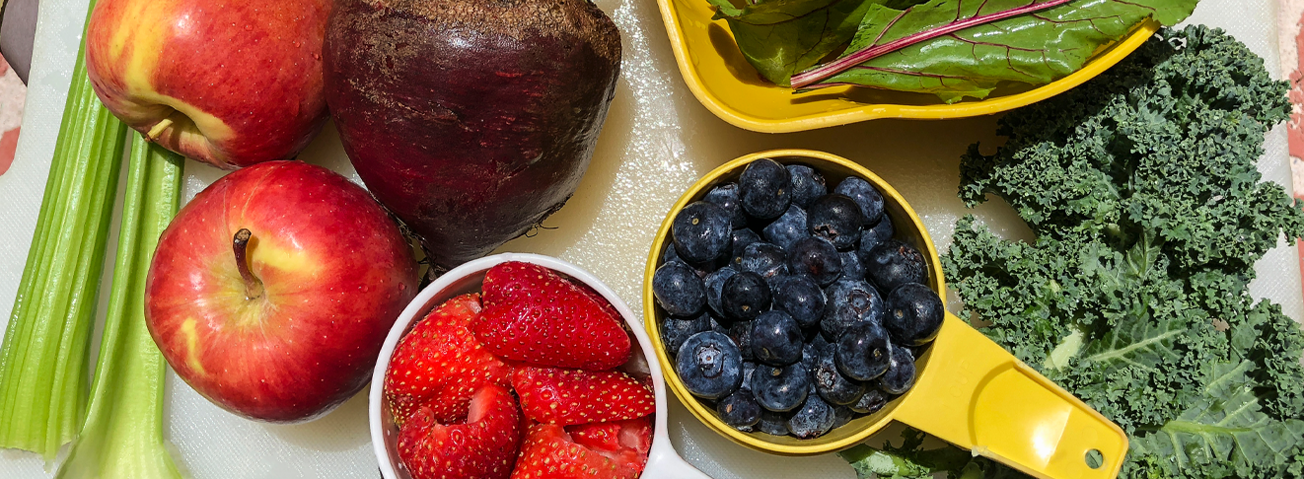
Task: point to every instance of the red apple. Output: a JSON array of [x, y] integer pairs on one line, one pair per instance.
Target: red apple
[[228, 83], [271, 292]]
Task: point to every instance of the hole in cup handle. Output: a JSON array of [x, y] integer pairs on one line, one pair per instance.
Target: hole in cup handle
[[666, 464]]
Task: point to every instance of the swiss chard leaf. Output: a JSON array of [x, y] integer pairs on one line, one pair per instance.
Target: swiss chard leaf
[[1033, 48]]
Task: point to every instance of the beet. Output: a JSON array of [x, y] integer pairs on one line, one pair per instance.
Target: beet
[[471, 120]]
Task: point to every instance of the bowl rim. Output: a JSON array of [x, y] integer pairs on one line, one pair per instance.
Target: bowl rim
[[871, 111], [650, 320]]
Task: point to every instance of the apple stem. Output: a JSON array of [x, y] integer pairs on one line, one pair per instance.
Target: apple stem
[[253, 286], [157, 130]]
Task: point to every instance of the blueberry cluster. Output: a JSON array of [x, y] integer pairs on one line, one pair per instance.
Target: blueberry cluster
[[792, 309]]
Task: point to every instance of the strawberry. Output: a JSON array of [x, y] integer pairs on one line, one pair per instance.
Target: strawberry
[[576, 396], [439, 364], [484, 447], [533, 315], [550, 453], [615, 439]]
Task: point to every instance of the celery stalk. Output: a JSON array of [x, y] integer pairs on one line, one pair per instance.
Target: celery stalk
[[43, 366], [123, 435]]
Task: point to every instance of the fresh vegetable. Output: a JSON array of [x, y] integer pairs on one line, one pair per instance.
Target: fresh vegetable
[[481, 445], [43, 363], [575, 396], [439, 364], [1149, 213], [229, 84], [534, 315], [272, 291], [123, 434], [471, 121], [950, 48]]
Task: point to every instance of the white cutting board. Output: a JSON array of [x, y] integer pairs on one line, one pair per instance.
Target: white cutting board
[[657, 140]]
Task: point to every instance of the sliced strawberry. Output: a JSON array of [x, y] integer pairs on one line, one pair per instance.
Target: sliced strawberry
[[622, 441], [549, 453], [537, 317], [484, 447], [440, 364], [575, 396]]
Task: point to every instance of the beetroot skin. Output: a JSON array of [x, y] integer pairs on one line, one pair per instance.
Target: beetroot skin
[[470, 120]]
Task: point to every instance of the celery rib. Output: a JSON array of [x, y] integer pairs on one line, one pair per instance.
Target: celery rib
[[43, 366], [123, 434]]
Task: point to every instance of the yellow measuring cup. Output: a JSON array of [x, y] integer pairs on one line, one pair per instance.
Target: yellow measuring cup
[[968, 390]]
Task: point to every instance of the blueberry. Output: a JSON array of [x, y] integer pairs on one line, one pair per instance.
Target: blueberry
[[874, 235], [765, 189], [817, 258], [893, 263], [852, 266], [726, 197], [871, 402], [709, 365], [739, 410], [810, 356], [836, 218], [776, 339], [749, 367], [679, 290], [669, 255], [740, 332], [741, 238], [701, 232], [814, 419], [744, 296], [832, 385], [900, 375], [675, 331], [864, 352], [780, 389], [766, 259], [850, 302], [914, 314], [714, 282], [865, 195], [842, 415], [787, 229], [807, 184], [772, 423], [802, 298], [821, 345]]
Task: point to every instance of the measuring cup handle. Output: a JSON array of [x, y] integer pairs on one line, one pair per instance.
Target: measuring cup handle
[[663, 464], [972, 393]]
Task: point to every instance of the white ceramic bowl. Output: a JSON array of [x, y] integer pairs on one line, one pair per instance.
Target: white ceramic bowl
[[663, 462]]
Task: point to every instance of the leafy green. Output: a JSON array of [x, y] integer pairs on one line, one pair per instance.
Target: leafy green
[[1033, 48], [1149, 212]]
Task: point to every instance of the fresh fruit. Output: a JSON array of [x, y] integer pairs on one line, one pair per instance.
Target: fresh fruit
[[773, 423], [832, 385], [744, 296], [679, 290], [900, 375], [871, 402], [836, 218], [875, 235], [813, 419], [625, 442], [710, 365], [780, 389], [575, 396], [674, 331], [534, 315], [549, 452], [787, 228], [766, 259], [255, 304], [740, 332], [802, 298], [726, 197], [817, 258], [229, 84], [893, 263], [807, 184], [850, 303], [482, 447], [765, 189], [439, 365], [776, 339], [866, 197], [739, 410], [471, 121], [852, 267], [863, 353], [701, 232], [742, 238], [914, 314], [714, 283]]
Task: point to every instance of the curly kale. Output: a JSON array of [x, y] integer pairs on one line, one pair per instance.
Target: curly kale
[[1142, 190]]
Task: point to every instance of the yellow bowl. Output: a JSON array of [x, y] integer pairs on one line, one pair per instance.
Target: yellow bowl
[[726, 84], [968, 390]]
